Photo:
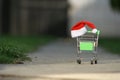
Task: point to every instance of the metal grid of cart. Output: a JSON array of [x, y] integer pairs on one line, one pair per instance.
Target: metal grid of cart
[[88, 42]]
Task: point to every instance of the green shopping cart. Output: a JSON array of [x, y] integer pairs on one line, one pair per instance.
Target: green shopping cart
[[88, 42]]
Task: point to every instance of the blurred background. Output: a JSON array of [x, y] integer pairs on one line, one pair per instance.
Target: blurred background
[[55, 17], [34, 17], [27, 24]]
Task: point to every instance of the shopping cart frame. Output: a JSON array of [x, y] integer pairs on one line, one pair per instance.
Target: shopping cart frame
[[88, 42]]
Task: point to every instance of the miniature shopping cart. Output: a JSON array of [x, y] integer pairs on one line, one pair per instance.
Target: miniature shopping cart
[[88, 42]]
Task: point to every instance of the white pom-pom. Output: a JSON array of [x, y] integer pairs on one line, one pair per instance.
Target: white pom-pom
[[94, 30]]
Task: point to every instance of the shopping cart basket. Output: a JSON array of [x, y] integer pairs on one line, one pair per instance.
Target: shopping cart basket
[[88, 42]]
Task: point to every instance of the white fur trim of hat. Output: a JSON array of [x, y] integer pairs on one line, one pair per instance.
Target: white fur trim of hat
[[94, 30]]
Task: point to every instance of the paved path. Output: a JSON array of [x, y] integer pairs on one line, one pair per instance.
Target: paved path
[[57, 61]]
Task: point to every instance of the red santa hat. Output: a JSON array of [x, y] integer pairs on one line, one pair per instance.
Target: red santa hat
[[79, 29]]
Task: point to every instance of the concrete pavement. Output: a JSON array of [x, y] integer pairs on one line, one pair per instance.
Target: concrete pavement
[[57, 61]]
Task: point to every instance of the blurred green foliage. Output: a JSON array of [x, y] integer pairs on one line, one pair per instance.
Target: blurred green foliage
[[11, 54], [115, 4], [15, 49], [110, 44]]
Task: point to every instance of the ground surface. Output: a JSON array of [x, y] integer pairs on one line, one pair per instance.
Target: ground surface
[[57, 61]]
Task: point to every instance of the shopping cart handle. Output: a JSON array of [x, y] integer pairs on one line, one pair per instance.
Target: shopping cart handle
[[98, 32]]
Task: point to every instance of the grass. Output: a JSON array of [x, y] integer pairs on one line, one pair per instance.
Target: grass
[[110, 44], [15, 49]]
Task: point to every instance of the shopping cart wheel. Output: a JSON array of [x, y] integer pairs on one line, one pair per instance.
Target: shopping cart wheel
[[91, 61], [95, 61], [79, 61]]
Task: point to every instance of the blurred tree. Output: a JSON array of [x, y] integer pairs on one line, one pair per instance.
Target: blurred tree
[[6, 16], [34, 17], [115, 4]]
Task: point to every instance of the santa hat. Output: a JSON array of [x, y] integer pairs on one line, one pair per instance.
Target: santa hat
[[91, 25], [79, 29]]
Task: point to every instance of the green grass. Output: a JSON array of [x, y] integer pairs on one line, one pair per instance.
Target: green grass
[[110, 44], [15, 49]]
